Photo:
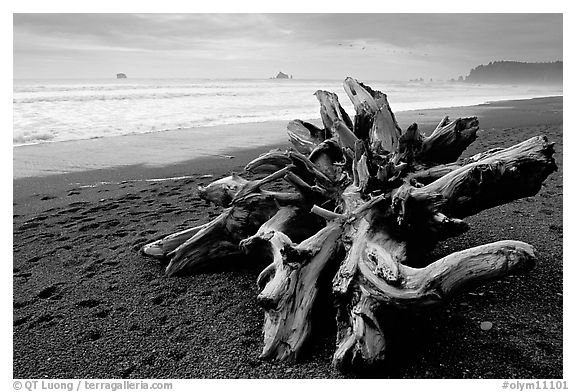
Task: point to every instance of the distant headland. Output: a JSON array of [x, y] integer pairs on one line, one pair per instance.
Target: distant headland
[[121, 76], [506, 72]]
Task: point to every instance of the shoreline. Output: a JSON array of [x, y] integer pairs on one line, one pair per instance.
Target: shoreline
[[149, 149], [87, 304]]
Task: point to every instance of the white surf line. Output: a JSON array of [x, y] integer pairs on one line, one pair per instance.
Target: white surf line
[[166, 179], [128, 181]]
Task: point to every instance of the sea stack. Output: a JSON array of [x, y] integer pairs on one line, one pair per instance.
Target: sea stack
[[282, 75], [121, 76]]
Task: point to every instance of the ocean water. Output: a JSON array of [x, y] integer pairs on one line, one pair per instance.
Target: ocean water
[[60, 110]]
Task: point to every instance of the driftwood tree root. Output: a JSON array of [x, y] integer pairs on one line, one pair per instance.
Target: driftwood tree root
[[369, 203]]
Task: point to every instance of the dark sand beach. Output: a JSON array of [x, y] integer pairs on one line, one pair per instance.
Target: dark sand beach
[[87, 304]]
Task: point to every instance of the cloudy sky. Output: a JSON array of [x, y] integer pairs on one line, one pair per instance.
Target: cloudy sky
[[331, 46]]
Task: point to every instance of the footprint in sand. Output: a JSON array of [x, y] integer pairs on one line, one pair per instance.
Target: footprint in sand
[[88, 226], [162, 319], [147, 232], [556, 228], [38, 218], [120, 233], [103, 207], [90, 268], [51, 292], [45, 320], [68, 211], [110, 223], [23, 275], [34, 259], [110, 206], [21, 320], [126, 371], [130, 196], [102, 313], [22, 304], [158, 299], [88, 303], [78, 203], [28, 225], [65, 247], [137, 245], [141, 213], [177, 354]]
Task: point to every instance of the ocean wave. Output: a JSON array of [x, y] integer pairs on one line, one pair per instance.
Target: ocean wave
[[32, 138], [58, 112], [134, 96], [99, 88], [70, 87], [97, 131]]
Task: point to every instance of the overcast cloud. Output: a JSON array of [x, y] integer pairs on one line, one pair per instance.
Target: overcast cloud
[[367, 46]]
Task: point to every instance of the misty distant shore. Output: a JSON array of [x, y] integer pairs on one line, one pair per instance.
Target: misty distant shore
[[516, 72]]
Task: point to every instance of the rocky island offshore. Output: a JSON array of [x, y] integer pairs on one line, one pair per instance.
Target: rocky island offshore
[[282, 75]]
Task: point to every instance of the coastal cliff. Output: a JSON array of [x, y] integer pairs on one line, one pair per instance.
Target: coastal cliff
[[507, 72]]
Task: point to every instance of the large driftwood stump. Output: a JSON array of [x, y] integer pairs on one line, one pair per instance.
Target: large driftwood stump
[[370, 201]]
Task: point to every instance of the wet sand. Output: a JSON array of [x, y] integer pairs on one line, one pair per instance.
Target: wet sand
[[88, 305]]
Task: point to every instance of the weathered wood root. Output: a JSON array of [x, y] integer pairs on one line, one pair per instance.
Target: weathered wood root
[[289, 289], [163, 247], [361, 340], [371, 201], [221, 237]]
